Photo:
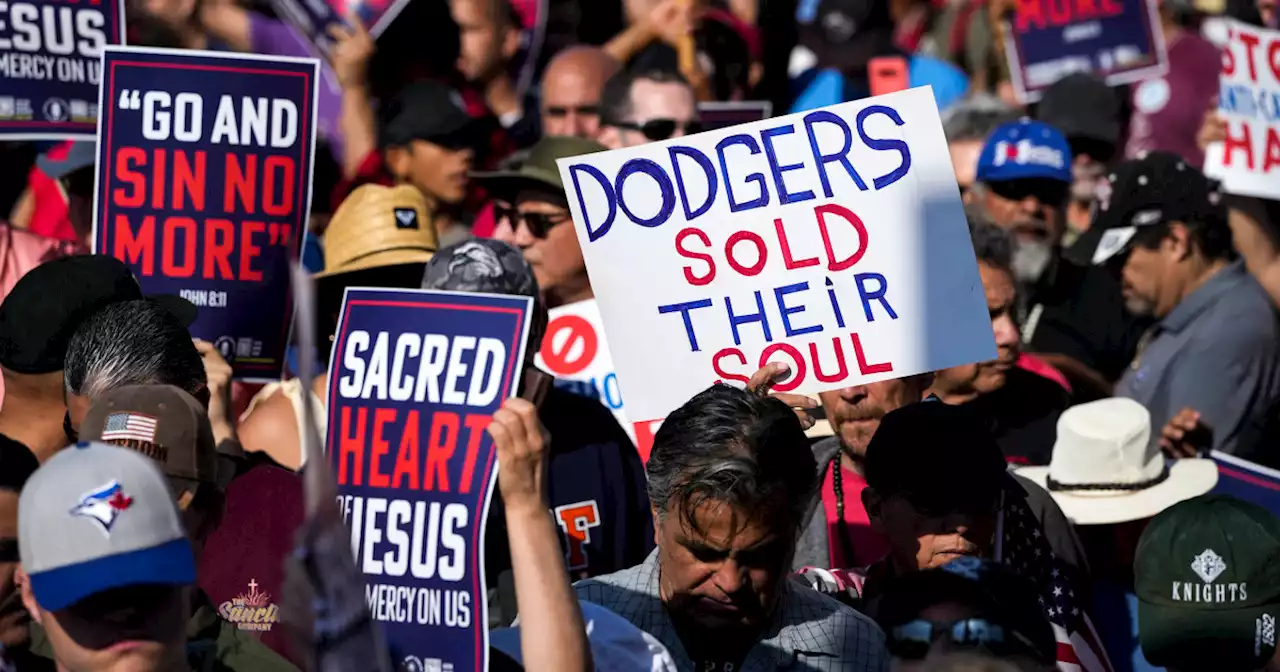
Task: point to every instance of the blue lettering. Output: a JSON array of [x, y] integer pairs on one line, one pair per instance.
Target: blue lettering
[[612, 395], [877, 294], [780, 294], [593, 234], [684, 309], [655, 171], [757, 178], [842, 156], [707, 168], [747, 318], [884, 145], [785, 196]]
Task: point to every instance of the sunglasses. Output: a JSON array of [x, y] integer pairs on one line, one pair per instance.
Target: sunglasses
[[558, 111], [9, 550], [660, 129], [912, 640], [538, 223], [1048, 192]]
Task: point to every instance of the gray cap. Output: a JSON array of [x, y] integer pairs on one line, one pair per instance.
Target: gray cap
[[64, 160], [97, 517], [481, 265]]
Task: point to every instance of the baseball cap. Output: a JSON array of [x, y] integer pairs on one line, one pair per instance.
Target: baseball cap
[[1207, 577], [1025, 149], [844, 34], [487, 266], [162, 422], [1081, 105], [67, 158], [1155, 188], [95, 517], [428, 111], [47, 305], [940, 457], [539, 168], [615, 643]]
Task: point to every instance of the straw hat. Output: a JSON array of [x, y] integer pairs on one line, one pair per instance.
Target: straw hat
[[1105, 469], [379, 226]]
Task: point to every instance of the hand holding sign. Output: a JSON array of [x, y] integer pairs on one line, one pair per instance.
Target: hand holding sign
[[522, 444], [352, 50]]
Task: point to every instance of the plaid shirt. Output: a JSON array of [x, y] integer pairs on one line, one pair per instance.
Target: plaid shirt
[[810, 632]]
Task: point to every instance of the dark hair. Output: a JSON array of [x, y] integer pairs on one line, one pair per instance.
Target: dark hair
[[991, 244], [17, 463], [1212, 236], [732, 446], [615, 99], [132, 343]]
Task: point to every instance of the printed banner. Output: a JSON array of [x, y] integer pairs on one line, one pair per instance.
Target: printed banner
[[832, 240], [414, 379], [1248, 161], [1118, 40], [50, 66], [575, 352], [716, 115], [312, 18], [1248, 481], [204, 185]]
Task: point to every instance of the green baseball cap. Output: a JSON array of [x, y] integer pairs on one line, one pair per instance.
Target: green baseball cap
[[1207, 576], [539, 167]]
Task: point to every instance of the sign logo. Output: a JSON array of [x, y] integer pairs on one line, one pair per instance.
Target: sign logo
[[129, 426], [406, 218], [251, 611], [103, 505], [1208, 565], [1026, 152]]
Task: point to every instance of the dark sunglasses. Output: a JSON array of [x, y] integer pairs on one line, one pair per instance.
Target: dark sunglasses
[[1049, 192], [558, 111], [539, 223], [913, 640], [9, 550], [661, 129]]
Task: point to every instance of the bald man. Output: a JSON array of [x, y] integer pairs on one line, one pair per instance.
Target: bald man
[[571, 90]]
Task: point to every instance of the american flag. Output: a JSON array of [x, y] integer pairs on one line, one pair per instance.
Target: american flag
[[129, 426], [1024, 548]]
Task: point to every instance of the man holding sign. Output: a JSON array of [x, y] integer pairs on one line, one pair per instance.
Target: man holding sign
[[204, 184]]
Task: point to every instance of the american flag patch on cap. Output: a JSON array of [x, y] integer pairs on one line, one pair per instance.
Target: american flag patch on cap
[[124, 426]]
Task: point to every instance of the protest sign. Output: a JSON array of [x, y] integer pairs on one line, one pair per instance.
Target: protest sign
[[715, 115], [575, 352], [414, 379], [1248, 481], [204, 185], [1117, 40], [832, 240], [1248, 161], [50, 68], [312, 18]]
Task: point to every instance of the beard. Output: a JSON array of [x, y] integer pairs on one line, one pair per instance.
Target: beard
[[1030, 259]]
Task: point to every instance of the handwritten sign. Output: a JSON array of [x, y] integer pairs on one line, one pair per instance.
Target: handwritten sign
[[833, 240], [204, 185], [1117, 40], [413, 382], [575, 352], [312, 18], [49, 66], [1248, 161]]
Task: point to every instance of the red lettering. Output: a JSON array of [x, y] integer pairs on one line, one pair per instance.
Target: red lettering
[[440, 447], [219, 242], [1059, 12], [1250, 42], [159, 160], [284, 166], [797, 371], [1273, 58], [1233, 142], [169, 265], [1086, 9], [135, 250], [1228, 55], [249, 250], [1272, 154], [787, 260], [125, 171], [1029, 12], [476, 426], [407, 463], [821, 213], [762, 254], [817, 363], [729, 352], [188, 183], [381, 416], [866, 369], [688, 254], [351, 444], [241, 182], [1112, 7], [644, 437]]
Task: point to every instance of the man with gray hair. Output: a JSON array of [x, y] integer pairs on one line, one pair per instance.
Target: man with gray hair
[[730, 478], [967, 125]]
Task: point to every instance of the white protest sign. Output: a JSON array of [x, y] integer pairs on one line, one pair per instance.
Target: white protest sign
[[833, 240], [1248, 161], [575, 352]]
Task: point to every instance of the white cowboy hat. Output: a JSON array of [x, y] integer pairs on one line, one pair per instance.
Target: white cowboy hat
[[1105, 469]]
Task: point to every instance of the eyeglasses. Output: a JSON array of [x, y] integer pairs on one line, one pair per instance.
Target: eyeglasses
[[913, 640], [1048, 192], [660, 129], [558, 111], [539, 223]]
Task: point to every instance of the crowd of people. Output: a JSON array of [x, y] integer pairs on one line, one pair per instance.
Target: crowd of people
[[1050, 508]]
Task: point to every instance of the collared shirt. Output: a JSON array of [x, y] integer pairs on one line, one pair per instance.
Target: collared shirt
[[1217, 351], [809, 631]]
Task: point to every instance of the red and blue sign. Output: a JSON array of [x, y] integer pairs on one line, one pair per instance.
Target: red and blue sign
[[50, 67], [414, 379], [204, 185], [1117, 40], [1248, 481]]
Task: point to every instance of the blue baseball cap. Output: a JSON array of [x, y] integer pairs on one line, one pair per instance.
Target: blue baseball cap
[[1025, 149]]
